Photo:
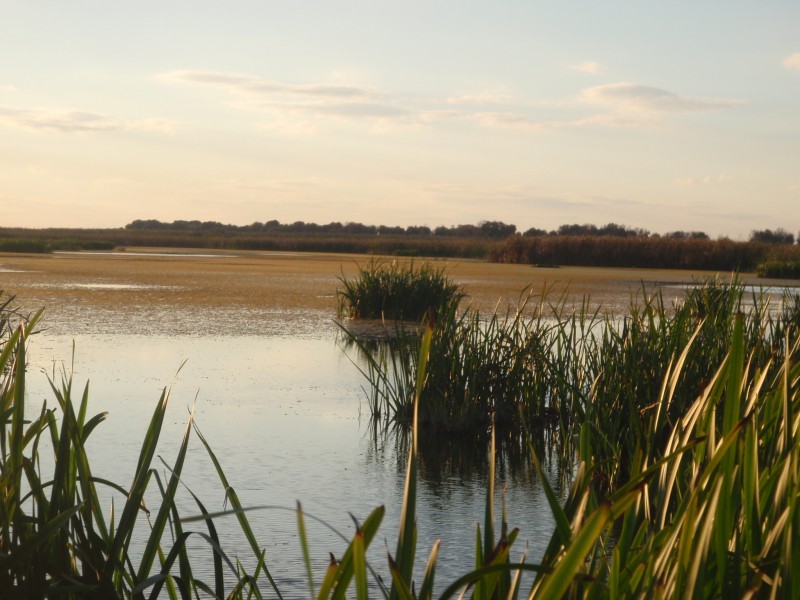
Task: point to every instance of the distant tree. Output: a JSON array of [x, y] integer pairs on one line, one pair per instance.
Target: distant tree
[[496, 229], [418, 230], [467, 230], [576, 229], [777, 236], [615, 230], [534, 232], [333, 227], [386, 230], [359, 228], [458, 230], [687, 235], [145, 224]]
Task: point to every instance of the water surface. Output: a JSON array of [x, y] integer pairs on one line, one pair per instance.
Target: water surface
[[285, 416]]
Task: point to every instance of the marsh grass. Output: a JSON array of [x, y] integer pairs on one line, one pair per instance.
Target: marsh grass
[[779, 269], [685, 436], [396, 291], [547, 364]]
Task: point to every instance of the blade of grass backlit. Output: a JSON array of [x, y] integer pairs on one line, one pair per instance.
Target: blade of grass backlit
[[239, 511], [406, 541], [556, 583], [127, 520], [167, 503], [301, 529]]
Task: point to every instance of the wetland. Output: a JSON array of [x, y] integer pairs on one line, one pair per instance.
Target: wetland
[[249, 343]]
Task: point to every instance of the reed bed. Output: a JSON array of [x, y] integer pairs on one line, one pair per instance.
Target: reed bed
[[549, 364], [683, 426]]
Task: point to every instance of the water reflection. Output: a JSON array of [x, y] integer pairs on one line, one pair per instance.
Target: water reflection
[[285, 416]]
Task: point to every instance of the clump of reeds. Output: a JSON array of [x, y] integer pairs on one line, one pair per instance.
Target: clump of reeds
[[688, 454], [397, 291], [547, 364], [779, 269], [709, 505]]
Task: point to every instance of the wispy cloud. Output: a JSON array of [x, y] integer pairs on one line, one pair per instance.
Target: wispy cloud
[[252, 85], [74, 121], [312, 108], [633, 98], [501, 96], [792, 62], [590, 67], [509, 120], [705, 180], [309, 99]]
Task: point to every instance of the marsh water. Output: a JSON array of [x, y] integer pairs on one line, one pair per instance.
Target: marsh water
[[285, 416]]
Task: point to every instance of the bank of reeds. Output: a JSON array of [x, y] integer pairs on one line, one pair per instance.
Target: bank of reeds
[[550, 364], [684, 426], [642, 252], [396, 291], [43, 246]]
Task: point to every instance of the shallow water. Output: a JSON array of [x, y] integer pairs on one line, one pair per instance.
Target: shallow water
[[285, 416]]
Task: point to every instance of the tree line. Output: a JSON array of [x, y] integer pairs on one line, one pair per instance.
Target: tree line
[[490, 229], [569, 245]]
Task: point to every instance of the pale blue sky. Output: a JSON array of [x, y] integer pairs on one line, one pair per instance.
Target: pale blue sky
[[660, 115]]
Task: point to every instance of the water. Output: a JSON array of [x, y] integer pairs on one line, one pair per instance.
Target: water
[[287, 418]]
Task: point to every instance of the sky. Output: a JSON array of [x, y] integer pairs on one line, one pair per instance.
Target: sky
[[664, 116]]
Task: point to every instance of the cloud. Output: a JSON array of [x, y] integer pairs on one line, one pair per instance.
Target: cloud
[[509, 120], [590, 67], [792, 62], [73, 121], [307, 99], [312, 107], [633, 98], [259, 86], [705, 180], [501, 96]]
